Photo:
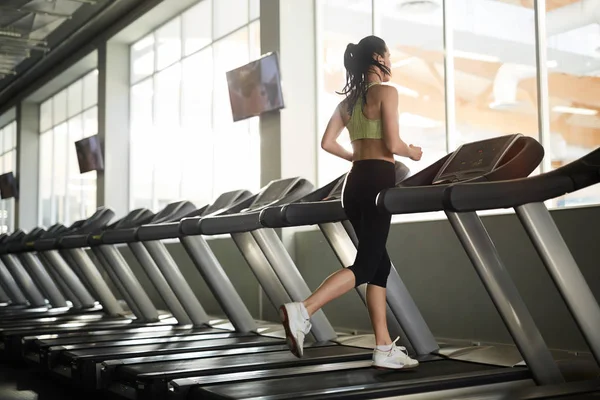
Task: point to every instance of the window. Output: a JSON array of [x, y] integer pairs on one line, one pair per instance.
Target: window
[[573, 87], [184, 143], [8, 163], [492, 88], [342, 23], [70, 115]]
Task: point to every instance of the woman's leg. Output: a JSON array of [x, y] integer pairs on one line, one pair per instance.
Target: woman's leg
[[377, 302], [334, 286]]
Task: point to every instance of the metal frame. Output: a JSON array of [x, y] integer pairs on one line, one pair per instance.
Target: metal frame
[[117, 282], [130, 283], [177, 282], [160, 283], [563, 269], [70, 279], [109, 302], [25, 282], [10, 286], [291, 279], [45, 281], [505, 296], [219, 283]]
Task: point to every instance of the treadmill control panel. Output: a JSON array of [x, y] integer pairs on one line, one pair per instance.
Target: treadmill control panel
[[475, 159]]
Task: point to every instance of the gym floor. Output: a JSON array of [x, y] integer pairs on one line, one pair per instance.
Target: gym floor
[[22, 383]]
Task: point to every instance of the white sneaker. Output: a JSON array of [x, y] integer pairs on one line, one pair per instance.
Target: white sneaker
[[395, 358], [296, 326]]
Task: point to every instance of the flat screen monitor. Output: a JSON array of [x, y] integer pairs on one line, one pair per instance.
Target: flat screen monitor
[[255, 88], [8, 186], [89, 154]]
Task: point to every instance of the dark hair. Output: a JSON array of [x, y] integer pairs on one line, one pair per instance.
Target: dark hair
[[358, 59]]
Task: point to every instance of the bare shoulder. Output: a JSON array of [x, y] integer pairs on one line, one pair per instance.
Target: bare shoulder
[[387, 91], [342, 109]]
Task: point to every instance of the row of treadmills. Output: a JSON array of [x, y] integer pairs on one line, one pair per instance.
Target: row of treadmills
[[73, 306]]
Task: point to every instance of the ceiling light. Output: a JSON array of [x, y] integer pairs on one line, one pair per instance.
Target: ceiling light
[[475, 56], [574, 110]]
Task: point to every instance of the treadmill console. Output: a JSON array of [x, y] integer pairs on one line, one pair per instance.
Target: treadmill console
[[275, 191], [475, 159]]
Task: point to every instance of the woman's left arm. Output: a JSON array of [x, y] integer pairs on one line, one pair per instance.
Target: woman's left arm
[[329, 143]]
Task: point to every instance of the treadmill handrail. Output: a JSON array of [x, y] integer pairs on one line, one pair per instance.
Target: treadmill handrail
[[513, 193], [411, 197]]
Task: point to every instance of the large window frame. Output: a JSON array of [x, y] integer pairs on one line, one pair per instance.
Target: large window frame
[[543, 67], [207, 144], [62, 177]]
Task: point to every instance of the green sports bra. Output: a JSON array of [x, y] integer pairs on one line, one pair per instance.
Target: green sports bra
[[361, 127]]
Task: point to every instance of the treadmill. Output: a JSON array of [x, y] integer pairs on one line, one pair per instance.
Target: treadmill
[[79, 273], [506, 157], [147, 377], [148, 323], [81, 360]]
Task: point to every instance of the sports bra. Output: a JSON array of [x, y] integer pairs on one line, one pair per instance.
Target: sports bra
[[361, 127]]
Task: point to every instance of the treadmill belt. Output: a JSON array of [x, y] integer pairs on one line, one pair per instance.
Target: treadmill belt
[[212, 344], [162, 370], [358, 383]]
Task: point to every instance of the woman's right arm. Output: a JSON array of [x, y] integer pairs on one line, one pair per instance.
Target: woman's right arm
[[391, 128]]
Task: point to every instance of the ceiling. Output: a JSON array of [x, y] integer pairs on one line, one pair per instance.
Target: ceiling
[[40, 38]]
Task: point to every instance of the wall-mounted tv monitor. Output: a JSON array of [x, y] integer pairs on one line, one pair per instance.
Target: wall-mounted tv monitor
[[255, 88], [89, 154], [8, 186]]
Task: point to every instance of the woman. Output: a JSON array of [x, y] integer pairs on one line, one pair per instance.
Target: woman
[[370, 113]]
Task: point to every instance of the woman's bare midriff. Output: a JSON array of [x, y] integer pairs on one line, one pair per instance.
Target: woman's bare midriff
[[371, 149]]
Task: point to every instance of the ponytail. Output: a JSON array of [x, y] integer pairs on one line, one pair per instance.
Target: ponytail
[[358, 59]]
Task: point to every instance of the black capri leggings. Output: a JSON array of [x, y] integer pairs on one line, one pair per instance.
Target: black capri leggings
[[364, 181]]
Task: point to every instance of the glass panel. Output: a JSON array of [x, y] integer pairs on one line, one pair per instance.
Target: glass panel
[[233, 142], [254, 9], [59, 107], [416, 45], [226, 21], [9, 136], [168, 44], [46, 163], [573, 87], [167, 178], [142, 95], [342, 23], [197, 27], [142, 144], [2, 169], [90, 89], [495, 69], [2, 133], [46, 115], [167, 99], [197, 154], [74, 185], [90, 122], [197, 82], [8, 162], [255, 40], [229, 53], [88, 183], [142, 58], [75, 98], [59, 179]]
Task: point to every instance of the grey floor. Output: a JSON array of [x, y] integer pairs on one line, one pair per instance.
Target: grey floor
[[23, 383]]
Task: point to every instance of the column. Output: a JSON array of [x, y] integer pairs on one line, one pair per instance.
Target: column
[[113, 126], [28, 141]]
